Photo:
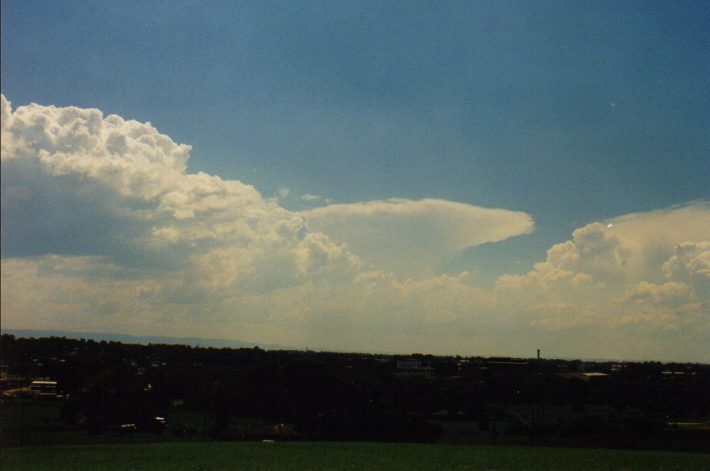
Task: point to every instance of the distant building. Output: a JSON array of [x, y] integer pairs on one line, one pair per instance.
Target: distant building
[[591, 375], [409, 364], [43, 388], [413, 366]]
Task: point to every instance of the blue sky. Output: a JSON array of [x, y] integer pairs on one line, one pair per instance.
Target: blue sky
[[568, 113]]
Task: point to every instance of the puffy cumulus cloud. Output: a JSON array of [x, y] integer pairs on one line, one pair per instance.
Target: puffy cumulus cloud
[[593, 251], [77, 183], [671, 293], [635, 248], [128, 156], [317, 253], [690, 264], [651, 238], [643, 276], [411, 238]]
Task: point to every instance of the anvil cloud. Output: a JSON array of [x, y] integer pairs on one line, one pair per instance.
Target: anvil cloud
[[105, 228]]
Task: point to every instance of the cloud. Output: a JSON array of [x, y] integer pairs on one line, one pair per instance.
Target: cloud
[[690, 264], [643, 277], [103, 228], [96, 202], [310, 197], [635, 247], [666, 293], [77, 183], [651, 238], [411, 238]]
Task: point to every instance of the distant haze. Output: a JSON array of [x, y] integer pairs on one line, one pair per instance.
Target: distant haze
[[140, 339]]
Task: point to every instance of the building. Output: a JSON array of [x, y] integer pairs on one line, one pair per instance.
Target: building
[[43, 388]]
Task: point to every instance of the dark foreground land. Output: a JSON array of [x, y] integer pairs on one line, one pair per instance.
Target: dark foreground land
[[113, 401], [338, 455]]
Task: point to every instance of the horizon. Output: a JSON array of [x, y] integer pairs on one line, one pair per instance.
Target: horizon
[[456, 178], [236, 344]]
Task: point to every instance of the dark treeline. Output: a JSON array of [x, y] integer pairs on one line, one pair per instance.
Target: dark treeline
[[108, 387]]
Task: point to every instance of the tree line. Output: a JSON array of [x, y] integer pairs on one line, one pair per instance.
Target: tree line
[[355, 396]]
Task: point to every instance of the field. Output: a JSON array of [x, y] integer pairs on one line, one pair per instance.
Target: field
[[332, 456]]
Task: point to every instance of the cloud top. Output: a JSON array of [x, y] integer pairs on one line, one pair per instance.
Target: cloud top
[[410, 237]]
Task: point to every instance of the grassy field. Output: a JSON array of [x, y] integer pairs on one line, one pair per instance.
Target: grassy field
[[336, 456]]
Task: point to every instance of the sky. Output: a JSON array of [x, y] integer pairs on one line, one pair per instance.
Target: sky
[[472, 178]]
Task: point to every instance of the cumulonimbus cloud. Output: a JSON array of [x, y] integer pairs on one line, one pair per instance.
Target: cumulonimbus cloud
[[78, 183], [103, 228]]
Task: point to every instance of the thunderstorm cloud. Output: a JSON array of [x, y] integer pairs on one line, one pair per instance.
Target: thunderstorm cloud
[[105, 229]]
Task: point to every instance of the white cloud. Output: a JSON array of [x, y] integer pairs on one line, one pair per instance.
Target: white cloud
[[77, 183], [103, 228], [651, 238], [636, 281], [411, 238], [690, 264]]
